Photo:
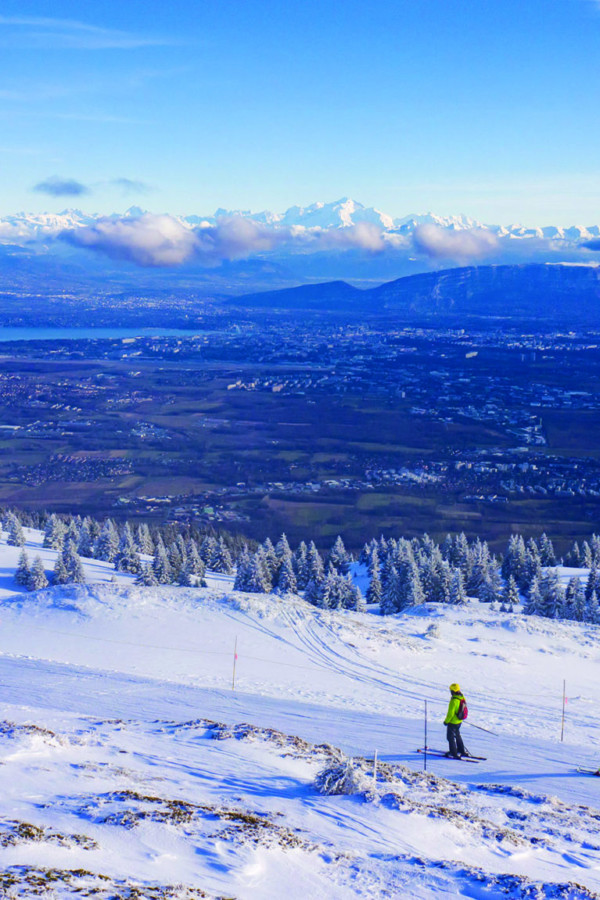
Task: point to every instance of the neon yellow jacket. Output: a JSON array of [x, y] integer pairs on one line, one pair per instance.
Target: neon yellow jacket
[[451, 717]]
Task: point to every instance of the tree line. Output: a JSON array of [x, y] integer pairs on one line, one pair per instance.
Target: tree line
[[403, 573]]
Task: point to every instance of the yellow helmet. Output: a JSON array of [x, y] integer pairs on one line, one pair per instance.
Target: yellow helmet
[[455, 688]]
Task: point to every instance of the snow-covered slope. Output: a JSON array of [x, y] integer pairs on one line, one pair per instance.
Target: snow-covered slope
[[129, 757]]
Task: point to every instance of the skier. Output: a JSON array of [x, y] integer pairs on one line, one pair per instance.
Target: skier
[[454, 718]]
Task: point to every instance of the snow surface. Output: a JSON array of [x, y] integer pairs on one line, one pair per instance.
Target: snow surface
[[128, 760]]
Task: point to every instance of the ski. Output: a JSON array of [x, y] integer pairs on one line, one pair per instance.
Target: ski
[[584, 771], [440, 754]]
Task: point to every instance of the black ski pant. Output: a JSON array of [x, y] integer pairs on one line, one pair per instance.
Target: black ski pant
[[455, 742]]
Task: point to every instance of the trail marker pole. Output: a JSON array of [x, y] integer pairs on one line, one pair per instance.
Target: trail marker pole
[[425, 744], [562, 724], [234, 662], [375, 770]]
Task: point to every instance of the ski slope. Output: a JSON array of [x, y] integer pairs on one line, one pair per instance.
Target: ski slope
[[130, 760]]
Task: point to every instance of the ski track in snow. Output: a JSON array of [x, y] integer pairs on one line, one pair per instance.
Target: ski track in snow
[[113, 775]]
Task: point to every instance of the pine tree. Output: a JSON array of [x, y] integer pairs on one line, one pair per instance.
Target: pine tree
[[176, 561], [127, 558], [242, 570], [353, 599], [568, 607], [413, 592], [37, 576], [374, 589], [259, 579], [312, 593], [107, 543], [282, 547], [579, 604], [72, 563], [85, 544], [286, 579], [16, 536], [160, 565], [391, 595], [510, 595], [339, 557], [207, 550], [23, 570], [552, 595], [146, 576], [315, 567], [574, 558], [458, 595], [144, 540], [192, 573], [491, 588], [60, 574], [592, 610], [547, 555], [54, 533], [535, 602], [270, 558], [300, 559], [221, 561]]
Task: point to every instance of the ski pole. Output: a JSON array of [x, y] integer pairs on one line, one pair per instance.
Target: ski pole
[[487, 731]]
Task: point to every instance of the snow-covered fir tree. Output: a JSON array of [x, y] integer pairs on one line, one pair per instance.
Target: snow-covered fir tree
[[374, 589], [242, 569], [207, 551], [592, 610], [146, 576], [286, 577], [259, 577], [160, 565], [192, 572], [458, 595], [127, 558], [23, 570], [300, 561], [144, 540], [338, 557], [510, 595], [221, 560], [16, 535], [54, 533], [315, 567], [37, 576], [85, 541], [107, 543], [271, 559], [552, 594]]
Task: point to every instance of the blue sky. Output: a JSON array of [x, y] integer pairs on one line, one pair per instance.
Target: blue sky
[[486, 107]]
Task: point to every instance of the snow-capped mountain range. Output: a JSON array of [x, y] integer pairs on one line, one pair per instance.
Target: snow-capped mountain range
[[341, 214]]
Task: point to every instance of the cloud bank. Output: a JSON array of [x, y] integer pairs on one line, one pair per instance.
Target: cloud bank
[[61, 187], [442, 243], [147, 240], [162, 240]]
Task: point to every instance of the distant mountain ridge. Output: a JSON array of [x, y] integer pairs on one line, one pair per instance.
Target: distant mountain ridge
[[555, 293], [339, 214]]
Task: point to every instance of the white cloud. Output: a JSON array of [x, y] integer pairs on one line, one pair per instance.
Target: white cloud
[[362, 236], [443, 243], [147, 240], [162, 240]]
